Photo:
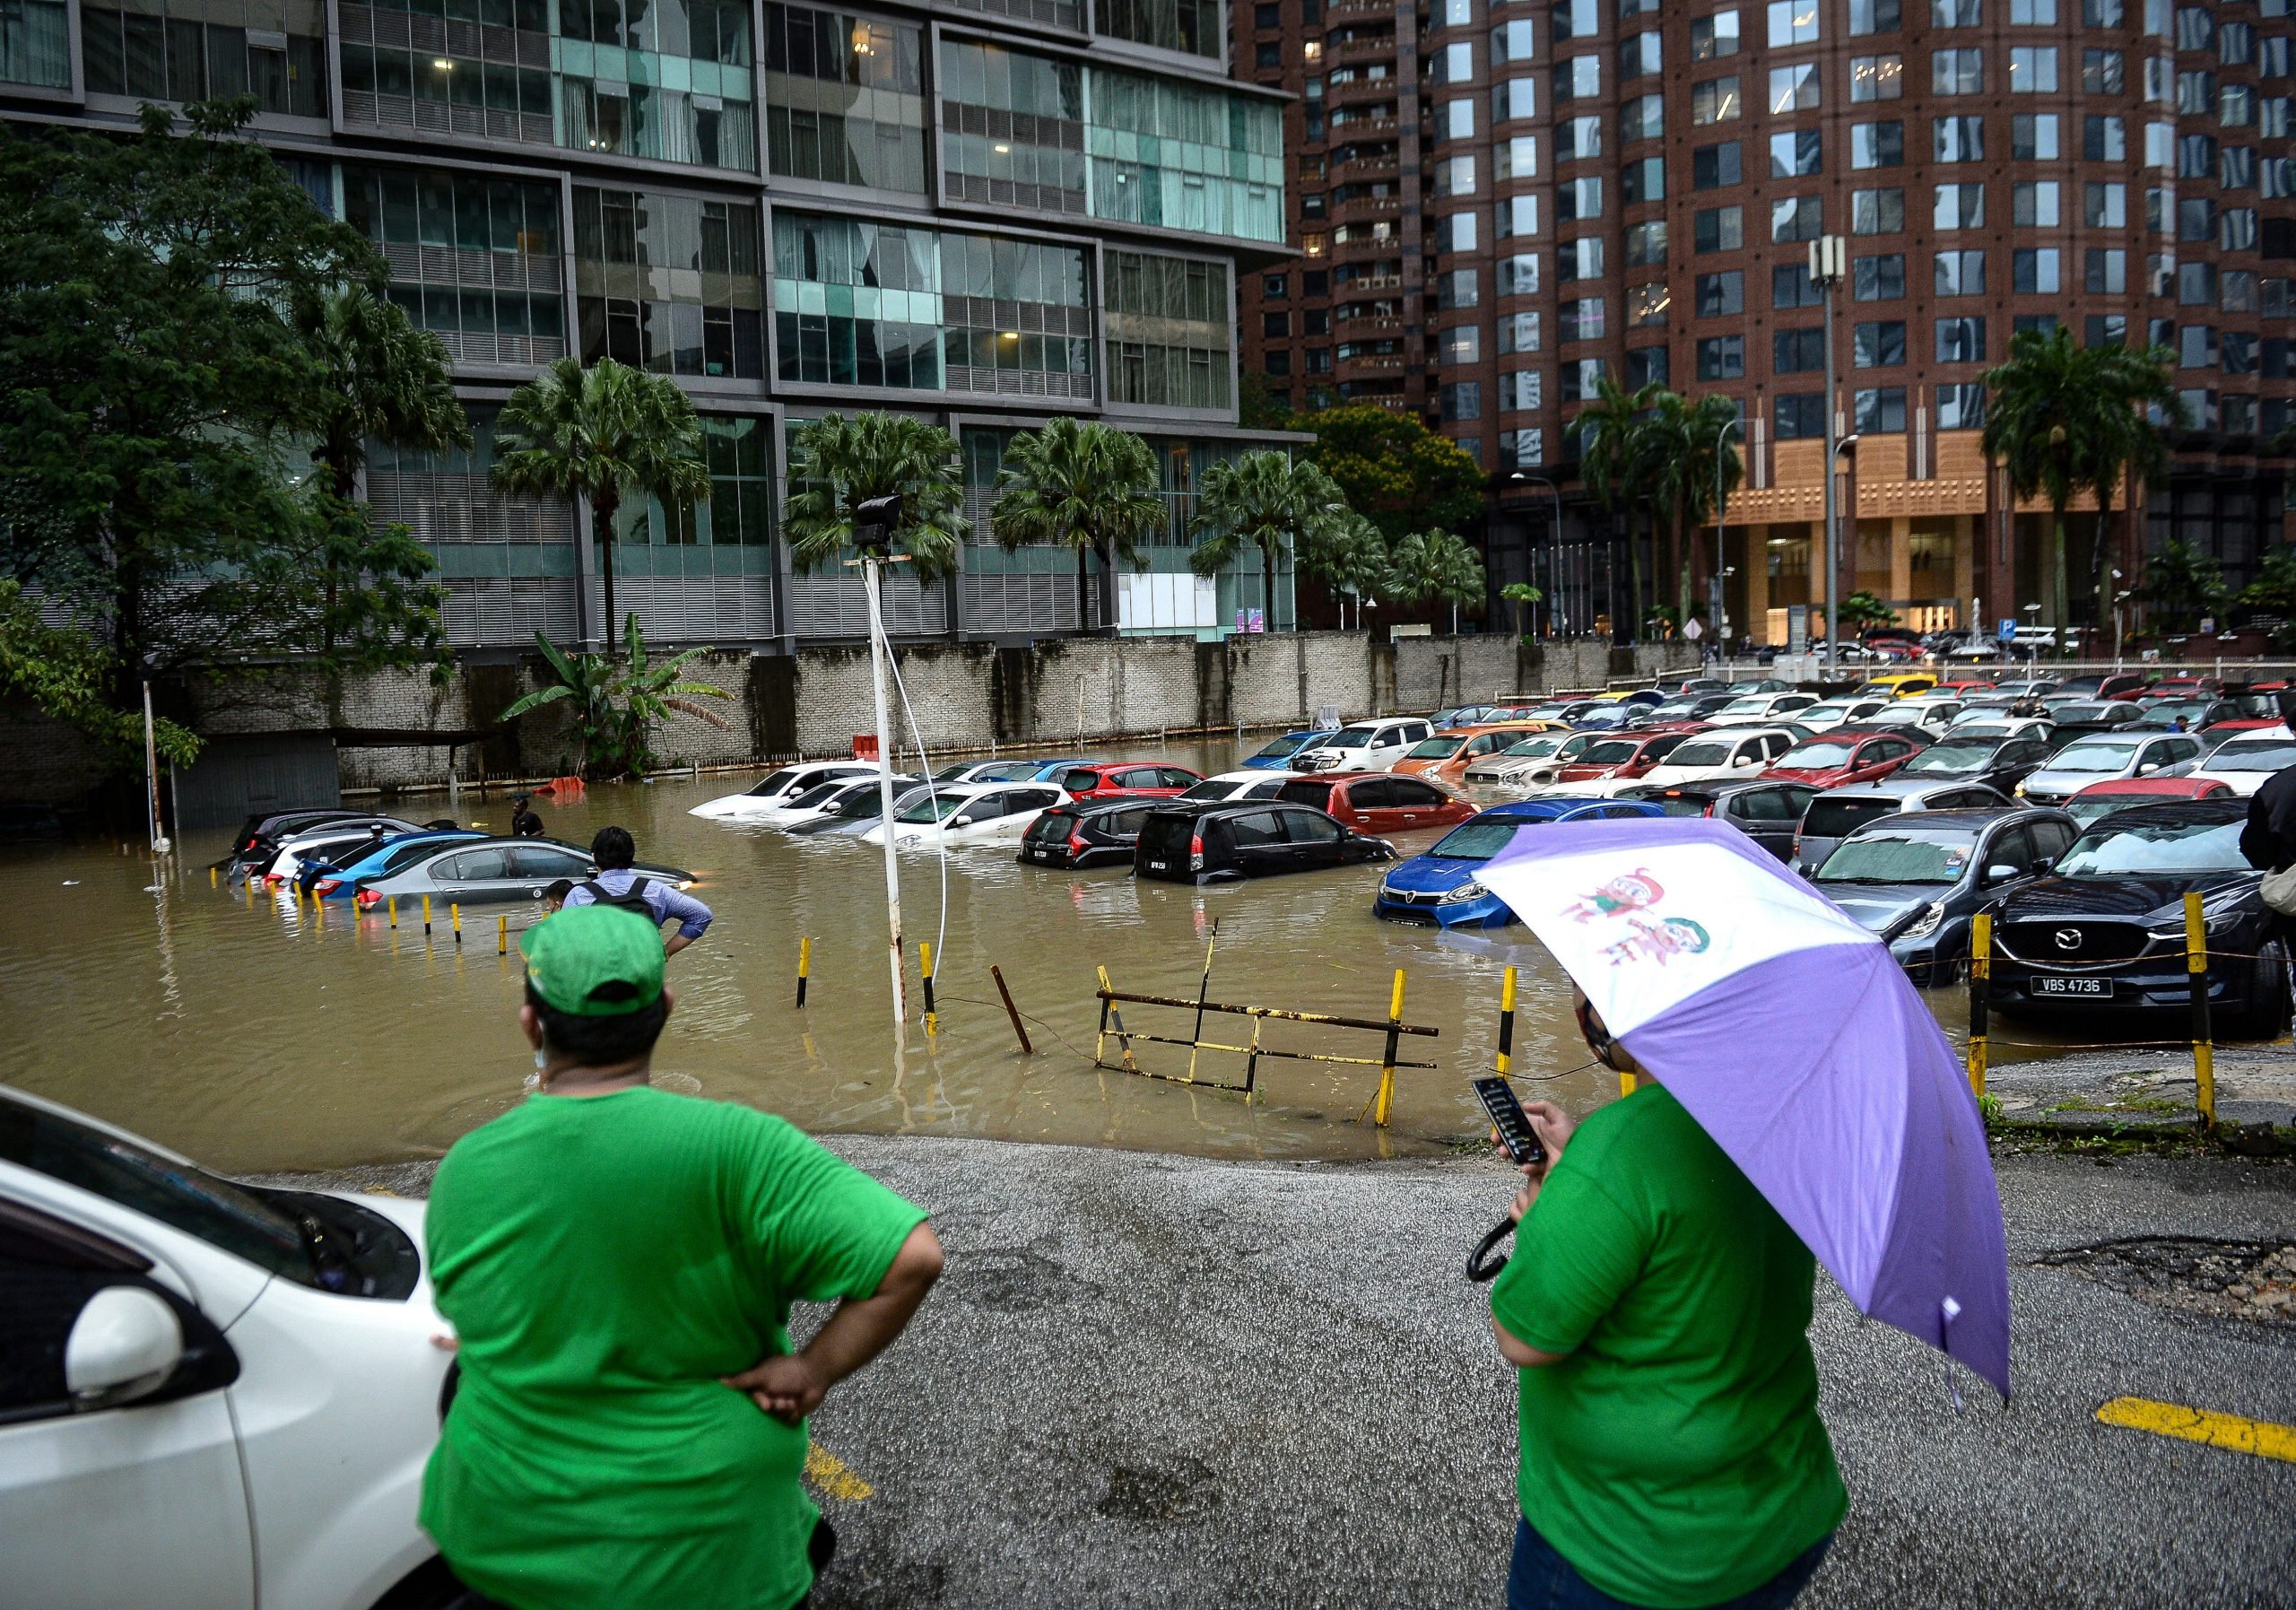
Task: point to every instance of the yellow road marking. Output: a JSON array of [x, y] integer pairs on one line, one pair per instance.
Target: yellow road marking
[[832, 1475], [2235, 1431]]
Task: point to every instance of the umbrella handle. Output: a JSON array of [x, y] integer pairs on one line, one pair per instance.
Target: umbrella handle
[[1486, 1260]]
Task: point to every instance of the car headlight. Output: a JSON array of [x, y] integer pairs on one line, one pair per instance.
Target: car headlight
[[1925, 924], [1470, 890], [2020, 790]]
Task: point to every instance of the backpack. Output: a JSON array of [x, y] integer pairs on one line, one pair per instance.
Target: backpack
[[633, 901]]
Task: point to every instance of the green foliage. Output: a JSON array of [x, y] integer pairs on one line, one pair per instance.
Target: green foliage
[[2182, 584], [64, 675], [1088, 487], [837, 462], [1391, 467], [2274, 587], [602, 436], [1263, 403], [1657, 451], [617, 702], [1861, 609], [386, 381], [1518, 594], [1270, 501], [1440, 565], [1349, 555]]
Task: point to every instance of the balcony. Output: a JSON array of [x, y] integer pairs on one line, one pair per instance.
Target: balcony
[[1362, 92], [1367, 209], [1352, 11], [1367, 168], [1370, 324], [1371, 281], [1378, 49], [1363, 128], [1367, 248], [1372, 366]]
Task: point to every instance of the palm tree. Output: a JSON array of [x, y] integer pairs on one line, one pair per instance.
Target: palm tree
[[1437, 564], [2064, 420], [1615, 460], [1683, 450], [839, 461], [1350, 557], [1089, 486], [601, 436], [1518, 594], [1269, 500]]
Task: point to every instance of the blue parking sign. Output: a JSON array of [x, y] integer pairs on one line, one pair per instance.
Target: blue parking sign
[[2008, 632]]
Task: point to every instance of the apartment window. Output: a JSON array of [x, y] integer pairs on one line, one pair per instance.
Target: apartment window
[[2104, 139], [2032, 69], [2196, 157], [2105, 269], [2236, 168], [1718, 229], [1876, 212], [1958, 207], [2237, 291], [1878, 279], [1510, 103], [1798, 352], [1961, 273], [1516, 158], [2108, 329], [2196, 93], [1577, 199], [1645, 306], [1793, 89], [1722, 358], [1454, 176], [1581, 380], [2105, 206], [1456, 118], [1511, 41], [2034, 270], [1313, 321], [1960, 341], [2033, 136], [2235, 107], [1793, 22], [1957, 72], [1461, 345], [1643, 181], [1797, 218], [1646, 366], [2035, 205], [1800, 416], [1956, 13], [1518, 276], [2237, 230], [1456, 288], [2196, 346], [1711, 167], [2101, 72], [1519, 390], [1525, 449], [1573, 20], [1880, 345], [1639, 56], [1455, 233], [1959, 139], [1876, 77], [1581, 320], [1461, 400], [1275, 326], [2195, 219], [1790, 286], [1455, 64], [1519, 333], [1714, 102], [1713, 36], [1879, 409], [1642, 117], [1877, 144], [1577, 260], [2236, 43], [2240, 350], [2196, 27], [2102, 13], [1518, 215], [1795, 153], [2032, 14], [1577, 138], [1579, 78], [1720, 294], [1646, 243], [1960, 407], [1873, 16]]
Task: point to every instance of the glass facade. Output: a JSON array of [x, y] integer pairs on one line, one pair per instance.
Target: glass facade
[[1169, 333], [738, 512], [1189, 25], [845, 98], [474, 259], [1011, 129], [671, 283], [274, 50]]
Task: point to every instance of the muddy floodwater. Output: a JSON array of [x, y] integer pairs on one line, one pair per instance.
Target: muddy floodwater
[[255, 1036]]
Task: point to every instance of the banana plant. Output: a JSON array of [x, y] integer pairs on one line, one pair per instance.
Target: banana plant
[[616, 703]]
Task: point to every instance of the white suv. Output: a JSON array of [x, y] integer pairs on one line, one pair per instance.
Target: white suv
[[1364, 746], [221, 1394]]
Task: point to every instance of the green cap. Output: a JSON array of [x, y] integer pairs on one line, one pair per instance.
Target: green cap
[[594, 960]]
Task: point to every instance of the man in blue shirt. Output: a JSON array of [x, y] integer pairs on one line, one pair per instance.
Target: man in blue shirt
[[616, 885]]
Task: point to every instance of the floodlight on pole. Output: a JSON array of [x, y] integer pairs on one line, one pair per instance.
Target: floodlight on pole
[[1829, 261], [875, 522]]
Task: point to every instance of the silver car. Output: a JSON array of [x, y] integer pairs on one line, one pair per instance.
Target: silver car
[[493, 870], [1838, 812], [2100, 756]]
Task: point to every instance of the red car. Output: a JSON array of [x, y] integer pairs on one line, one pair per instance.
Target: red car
[[1104, 780], [1379, 803], [1846, 755], [2120, 793], [1628, 755], [2117, 686]]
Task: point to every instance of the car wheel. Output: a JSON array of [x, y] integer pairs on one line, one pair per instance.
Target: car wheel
[[2266, 1016]]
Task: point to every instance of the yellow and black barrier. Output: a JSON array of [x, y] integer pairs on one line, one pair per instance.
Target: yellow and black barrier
[[2203, 1038], [925, 963], [804, 969], [1980, 995], [1505, 1025]]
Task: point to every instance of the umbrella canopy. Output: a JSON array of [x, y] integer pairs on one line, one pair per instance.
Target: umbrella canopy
[[1789, 1033]]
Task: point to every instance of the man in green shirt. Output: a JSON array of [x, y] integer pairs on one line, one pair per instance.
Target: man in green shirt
[[1657, 1309], [619, 1263]]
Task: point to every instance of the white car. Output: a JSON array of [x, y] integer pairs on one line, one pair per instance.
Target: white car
[[1532, 762], [1760, 709], [1929, 716], [221, 1394], [1982, 723], [1718, 757], [1831, 713], [1365, 746], [2096, 757], [1255, 784], [824, 797], [777, 788], [968, 814], [2246, 763], [324, 843]]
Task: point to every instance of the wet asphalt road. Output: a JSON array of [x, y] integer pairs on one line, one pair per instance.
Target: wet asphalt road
[[1154, 1380]]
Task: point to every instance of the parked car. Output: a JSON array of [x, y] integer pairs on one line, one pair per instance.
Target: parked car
[[1279, 753], [1379, 803], [1921, 713], [256, 846], [1897, 685], [217, 1394], [1209, 843], [1450, 752], [2094, 715], [827, 801], [1041, 771], [2245, 764], [2099, 800], [334, 881], [1441, 886], [1769, 814], [488, 870], [778, 787], [1102, 780], [1678, 685], [1085, 833], [330, 842], [1719, 754], [1838, 812], [2114, 684], [2189, 714], [2102, 939], [1366, 745], [1606, 717], [1830, 713], [967, 813], [1465, 714], [1761, 709], [1846, 755], [2093, 758], [1605, 767], [1529, 762], [1239, 785], [1691, 707], [1999, 763], [987, 771], [1917, 877], [859, 811]]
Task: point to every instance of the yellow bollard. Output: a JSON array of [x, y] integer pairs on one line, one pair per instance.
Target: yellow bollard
[[1980, 998], [805, 968], [932, 1017], [214, 877], [426, 917], [501, 935], [391, 905], [1505, 1022], [1381, 1102], [455, 916], [2204, 1038]]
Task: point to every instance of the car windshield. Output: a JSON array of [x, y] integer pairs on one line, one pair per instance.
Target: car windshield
[[1954, 756], [1824, 752], [2113, 754], [1700, 752], [1613, 752], [1538, 747], [1351, 737], [1210, 789], [2254, 755], [1674, 709], [1839, 818], [2095, 710], [861, 802], [1830, 710], [1681, 804], [1285, 747], [1481, 840], [1434, 749], [963, 771], [2107, 849], [1746, 707], [929, 807], [818, 794], [1899, 855], [773, 784], [2086, 811]]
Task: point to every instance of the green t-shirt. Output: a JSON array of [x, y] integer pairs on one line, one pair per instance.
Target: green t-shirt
[[606, 1259], [1675, 1456]]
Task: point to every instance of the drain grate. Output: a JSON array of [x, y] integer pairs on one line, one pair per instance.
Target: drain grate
[[2255, 1281]]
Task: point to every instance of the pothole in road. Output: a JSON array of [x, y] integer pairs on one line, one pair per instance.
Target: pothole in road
[[1175, 1491], [2255, 1281], [1013, 1280]]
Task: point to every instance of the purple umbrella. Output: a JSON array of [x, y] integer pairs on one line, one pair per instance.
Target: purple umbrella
[[1789, 1031]]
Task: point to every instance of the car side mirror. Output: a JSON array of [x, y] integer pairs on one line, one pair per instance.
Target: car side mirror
[[1999, 873], [1744, 760], [2148, 768], [124, 1345]]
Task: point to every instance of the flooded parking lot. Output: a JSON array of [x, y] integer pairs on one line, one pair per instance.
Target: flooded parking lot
[[256, 1035]]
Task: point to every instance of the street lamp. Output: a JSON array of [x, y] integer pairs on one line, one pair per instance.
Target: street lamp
[[1721, 436], [2121, 595], [1829, 261], [1554, 570]]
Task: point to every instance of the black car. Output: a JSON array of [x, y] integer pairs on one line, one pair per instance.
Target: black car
[[1210, 842], [2088, 717], [1091, 832], [2102, 939], [1769, 814], [1917, 877], [1999, 763]]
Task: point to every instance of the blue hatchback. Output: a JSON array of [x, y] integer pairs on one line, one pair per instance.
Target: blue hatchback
[[1277, 756], [1440, 887]]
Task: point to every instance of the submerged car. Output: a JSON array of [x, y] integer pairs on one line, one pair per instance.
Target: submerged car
[[967, 813], [778, 787], [1732, 752], [340, 881], [857, 810], [1098, 833], [1441, 886], [1917, 877], [827, 802], [1239, 785], [1365, 746], [1846, 755], [1528, 762], [2101, 939], [1450, 752], [2093, 758], [1769, 814], [328, 843], [1209, 843], [1103, 779], [488, 870], [1379, 803], [1279, 753]]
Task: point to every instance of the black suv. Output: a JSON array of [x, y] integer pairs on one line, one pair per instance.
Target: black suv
[[1215, 842], [1093, 832]]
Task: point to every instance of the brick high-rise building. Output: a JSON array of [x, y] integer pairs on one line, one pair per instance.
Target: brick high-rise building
[[1498, 202]]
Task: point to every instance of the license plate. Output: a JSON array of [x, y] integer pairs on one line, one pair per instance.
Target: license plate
[[1156, 866], [1041, 855], [2044, 984]]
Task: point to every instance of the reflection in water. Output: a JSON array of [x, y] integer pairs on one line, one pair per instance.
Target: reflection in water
[[247, 1031]]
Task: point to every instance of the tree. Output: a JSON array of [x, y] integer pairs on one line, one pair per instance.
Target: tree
[[616, 705], [839, 461], [2183, 584], [2273, 591], [1263, 403], [1688, 464], [1437, 564], [1518, 594], [1861, 609], [2064, 420], [601, 436], [1350, 557], [1086, 486], [1391, 467], [1268, 500], [155, 392], [1615, 460], [66, 675]]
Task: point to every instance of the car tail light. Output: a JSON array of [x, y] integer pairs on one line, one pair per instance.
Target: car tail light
[[366, 900], [1196, 851], [1798, 846], [326, 885], [1075, 844], [272, 880]]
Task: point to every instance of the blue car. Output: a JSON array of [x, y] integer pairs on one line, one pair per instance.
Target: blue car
[[1046, 772], [1277, 756], [1440, 887], [379, 859]]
